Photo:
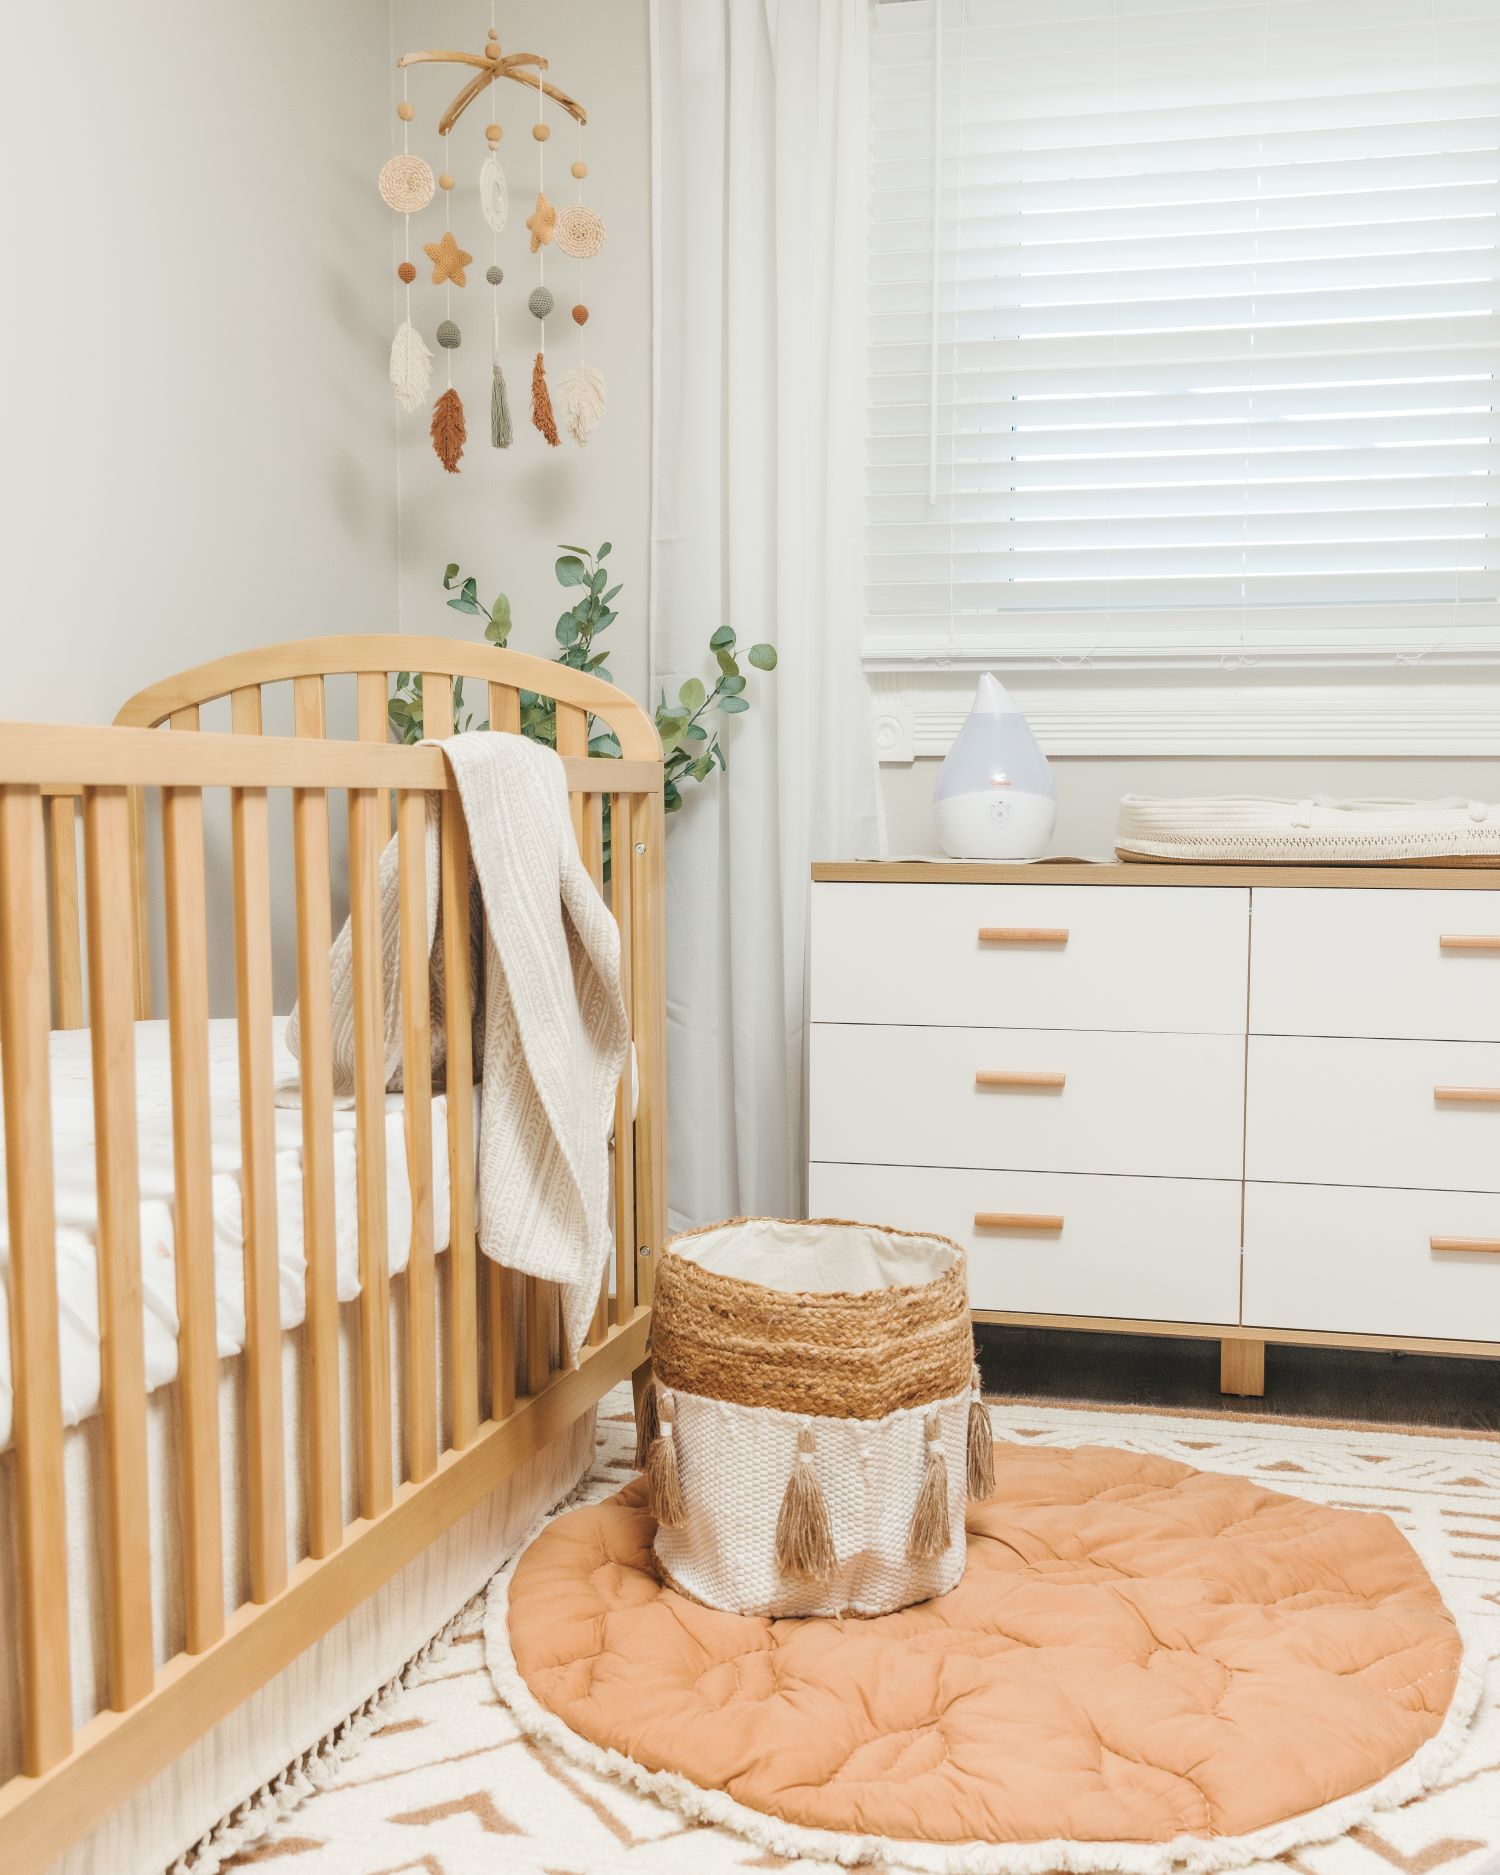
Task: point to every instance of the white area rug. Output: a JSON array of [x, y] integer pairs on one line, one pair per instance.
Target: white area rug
[[445, 1785]]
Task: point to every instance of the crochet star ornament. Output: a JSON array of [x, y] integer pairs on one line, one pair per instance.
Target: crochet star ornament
[[542, 222], [448, 259]]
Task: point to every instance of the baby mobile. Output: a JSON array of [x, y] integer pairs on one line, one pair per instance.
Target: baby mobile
[[574, 231]]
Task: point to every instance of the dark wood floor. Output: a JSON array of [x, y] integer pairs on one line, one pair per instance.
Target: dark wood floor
[[1303, 1383]]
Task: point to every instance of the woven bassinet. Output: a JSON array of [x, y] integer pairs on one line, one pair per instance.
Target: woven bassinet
[[814, 1425]]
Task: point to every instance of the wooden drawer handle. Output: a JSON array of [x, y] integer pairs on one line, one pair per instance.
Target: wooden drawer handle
[[1480, 1246], [1468, 941], [1032, 1077], [1023, 1220], [1028, 934], [1489, 1094]]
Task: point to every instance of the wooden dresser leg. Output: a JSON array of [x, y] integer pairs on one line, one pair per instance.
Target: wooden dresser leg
[[1242, 1367]]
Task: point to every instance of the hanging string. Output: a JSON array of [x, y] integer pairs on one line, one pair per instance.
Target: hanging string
[[541, 189], [447, 228], [406, 219]]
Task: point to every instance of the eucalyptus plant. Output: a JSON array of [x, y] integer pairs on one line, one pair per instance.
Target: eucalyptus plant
[[689, 728]]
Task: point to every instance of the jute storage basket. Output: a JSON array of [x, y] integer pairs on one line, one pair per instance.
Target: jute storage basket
[[814, 1425]]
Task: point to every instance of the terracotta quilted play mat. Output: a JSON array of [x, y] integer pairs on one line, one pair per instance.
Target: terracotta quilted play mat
[[1145, 1667]]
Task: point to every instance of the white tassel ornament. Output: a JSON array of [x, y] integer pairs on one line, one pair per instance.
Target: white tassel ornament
[[411, 366], [581, 394]]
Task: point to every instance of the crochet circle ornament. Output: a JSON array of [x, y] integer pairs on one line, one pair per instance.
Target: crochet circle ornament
[[407, 184], [579, 232]]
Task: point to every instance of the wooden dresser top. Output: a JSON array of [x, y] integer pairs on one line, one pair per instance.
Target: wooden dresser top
[[1144, 872]]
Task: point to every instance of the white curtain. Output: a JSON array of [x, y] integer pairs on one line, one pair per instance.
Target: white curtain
[[759, 150]]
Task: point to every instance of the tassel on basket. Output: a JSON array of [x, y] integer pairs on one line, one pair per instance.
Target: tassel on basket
[[804, 1530], [647, 1420], [930, 1531], [981, 1445], [448, 432], [663, 1485], [541, 403]]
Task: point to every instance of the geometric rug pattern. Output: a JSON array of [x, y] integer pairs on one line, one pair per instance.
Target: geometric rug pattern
[[447, 1785]]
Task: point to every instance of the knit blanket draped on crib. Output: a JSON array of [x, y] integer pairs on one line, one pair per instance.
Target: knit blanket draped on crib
[[551, 1033]]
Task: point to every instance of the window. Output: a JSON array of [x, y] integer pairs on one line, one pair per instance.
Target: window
[[1184, 332]]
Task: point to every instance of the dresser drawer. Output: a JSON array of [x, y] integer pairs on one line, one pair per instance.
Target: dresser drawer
[[1365, 1262], [1060, 1243], [1033, 956], [1353, 1112], [1376, 962], [1041, 1100]]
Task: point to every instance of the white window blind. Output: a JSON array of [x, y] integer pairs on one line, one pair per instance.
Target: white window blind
[[1184, 328]]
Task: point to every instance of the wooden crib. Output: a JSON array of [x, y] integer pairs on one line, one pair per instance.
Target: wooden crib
[[97, 790]]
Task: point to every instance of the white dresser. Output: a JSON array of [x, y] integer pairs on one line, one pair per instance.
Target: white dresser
[[1256, 1103]]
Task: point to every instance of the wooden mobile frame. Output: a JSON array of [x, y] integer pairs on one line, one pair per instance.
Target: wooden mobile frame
[[523, 68]]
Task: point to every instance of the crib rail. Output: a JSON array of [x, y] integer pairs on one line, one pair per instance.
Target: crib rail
[[66, 789]]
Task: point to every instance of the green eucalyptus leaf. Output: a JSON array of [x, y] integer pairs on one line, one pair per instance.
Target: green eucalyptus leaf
[[731, 685], [567, 629], [450, 573], [605, 551], [702, 768], [500, 611], [728, 664], [596, 584], [613, 594], [722, 639], [763, 657], [571, 571], [606, 744], [564, 546], [731, 706], [692, 694], [671, 796], [695, 732]]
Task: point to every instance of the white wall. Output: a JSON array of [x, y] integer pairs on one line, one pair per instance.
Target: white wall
[[197, 454], [502, 515]]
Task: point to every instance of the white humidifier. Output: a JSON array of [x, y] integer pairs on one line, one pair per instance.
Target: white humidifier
[[995, 798]]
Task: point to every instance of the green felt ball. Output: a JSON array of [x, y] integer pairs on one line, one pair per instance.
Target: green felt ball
[[541, 301], [449, 336], [494, 275]]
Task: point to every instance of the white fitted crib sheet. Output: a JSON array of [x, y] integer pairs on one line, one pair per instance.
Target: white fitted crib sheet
[[77, 1206]]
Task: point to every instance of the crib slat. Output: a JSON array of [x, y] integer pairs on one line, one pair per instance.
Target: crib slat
[[197, 1330], [621, 881], [370, 693], [505, 708], [437, 704], [41, 1618], [325, 1517], [416, 1074], [366, 814], [67, 958], [185, 718], [244, 711], [573, 739], [539, 1311], [648, 1025], [140, 917], [265, 1456], [502, 1314], [122, 1377], [463, 1327]]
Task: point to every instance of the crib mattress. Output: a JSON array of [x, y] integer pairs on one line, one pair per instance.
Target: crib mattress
[[78, 1217]]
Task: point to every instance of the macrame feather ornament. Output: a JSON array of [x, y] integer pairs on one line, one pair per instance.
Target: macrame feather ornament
[[581, 394], [411, 366], [448, 432]]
